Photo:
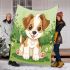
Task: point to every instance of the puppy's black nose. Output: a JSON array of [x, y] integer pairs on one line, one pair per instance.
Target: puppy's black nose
[[34, 32]]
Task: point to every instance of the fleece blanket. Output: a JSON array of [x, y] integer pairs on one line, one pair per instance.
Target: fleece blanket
[[32, 38]]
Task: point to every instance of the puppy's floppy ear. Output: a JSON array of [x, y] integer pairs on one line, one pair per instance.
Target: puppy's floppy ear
[[26, 20], [45, 22]]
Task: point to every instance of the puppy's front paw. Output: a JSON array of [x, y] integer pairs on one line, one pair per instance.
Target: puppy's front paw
[[26, 56], [35, 57]]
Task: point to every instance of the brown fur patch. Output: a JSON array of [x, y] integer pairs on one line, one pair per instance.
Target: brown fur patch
[[38, 46], [26, 20], [25, 42], [31, 24], [39, 28], [45, 22], [21, 40]]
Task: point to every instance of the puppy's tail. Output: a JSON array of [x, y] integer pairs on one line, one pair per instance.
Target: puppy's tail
[[21, 39]]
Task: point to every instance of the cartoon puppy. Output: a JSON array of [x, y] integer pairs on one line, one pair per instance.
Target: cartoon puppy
[[34, 27]]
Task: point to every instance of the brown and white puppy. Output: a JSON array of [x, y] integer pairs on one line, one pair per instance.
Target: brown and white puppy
[[34, 27]]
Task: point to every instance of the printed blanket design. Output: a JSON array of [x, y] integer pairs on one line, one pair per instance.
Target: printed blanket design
[[32, 37]]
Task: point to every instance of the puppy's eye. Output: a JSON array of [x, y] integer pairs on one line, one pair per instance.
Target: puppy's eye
[[30, 27], [39, 28]]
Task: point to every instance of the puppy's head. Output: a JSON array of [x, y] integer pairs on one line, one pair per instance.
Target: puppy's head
[[35, 25]]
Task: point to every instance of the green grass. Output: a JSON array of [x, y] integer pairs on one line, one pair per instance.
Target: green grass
[[15, 57]]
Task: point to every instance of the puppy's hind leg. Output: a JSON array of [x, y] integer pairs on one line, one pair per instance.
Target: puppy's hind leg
[[21, 39], [20, 50]]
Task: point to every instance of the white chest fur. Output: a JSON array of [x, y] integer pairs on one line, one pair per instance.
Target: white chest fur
[[32, 43]]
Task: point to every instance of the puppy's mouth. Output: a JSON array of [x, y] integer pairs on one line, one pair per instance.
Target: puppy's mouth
[[33, 36]]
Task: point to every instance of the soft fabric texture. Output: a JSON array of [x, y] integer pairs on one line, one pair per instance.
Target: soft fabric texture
[[32, 37]]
